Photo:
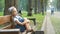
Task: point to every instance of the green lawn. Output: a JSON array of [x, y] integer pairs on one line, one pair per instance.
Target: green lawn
[[56, 24], [1, 13], [39, 18]]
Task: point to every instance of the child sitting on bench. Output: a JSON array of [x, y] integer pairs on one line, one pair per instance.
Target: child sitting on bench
[[22, 23]]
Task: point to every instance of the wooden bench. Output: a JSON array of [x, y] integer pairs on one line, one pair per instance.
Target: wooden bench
[[6, 25], [38, 32], [9, 31], [7, 20]]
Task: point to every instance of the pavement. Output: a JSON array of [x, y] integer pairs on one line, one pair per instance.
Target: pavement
[[47, 26]]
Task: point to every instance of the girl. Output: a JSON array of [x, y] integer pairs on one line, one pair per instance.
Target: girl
[[22, 23]]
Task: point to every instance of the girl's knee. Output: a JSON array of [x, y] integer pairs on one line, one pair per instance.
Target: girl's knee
[[27, 20]]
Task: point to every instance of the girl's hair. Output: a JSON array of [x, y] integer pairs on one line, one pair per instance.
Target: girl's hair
[[11, 9]]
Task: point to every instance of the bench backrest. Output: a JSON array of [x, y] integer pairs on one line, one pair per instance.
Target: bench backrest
[[6, 21]]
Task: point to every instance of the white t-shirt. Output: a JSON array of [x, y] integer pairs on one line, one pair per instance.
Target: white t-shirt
[[16, 18]]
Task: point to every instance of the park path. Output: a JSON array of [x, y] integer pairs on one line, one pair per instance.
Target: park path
[[56, 14], [47, 26]]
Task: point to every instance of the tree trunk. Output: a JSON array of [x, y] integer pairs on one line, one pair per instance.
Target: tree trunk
[[9, 3], [29, 8], [39, 6], [42, 7], [35, 6], [44, 4]]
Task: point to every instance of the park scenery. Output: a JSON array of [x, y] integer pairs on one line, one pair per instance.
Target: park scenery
[[29, 16]]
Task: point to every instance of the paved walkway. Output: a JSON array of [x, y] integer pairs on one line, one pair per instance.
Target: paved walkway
[[56, 14], [47, 26]]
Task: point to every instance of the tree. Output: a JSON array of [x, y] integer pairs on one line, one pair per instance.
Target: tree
[[35, 6], [42, 7], [9, 3], [39, 6], [58, 4], [45, 4], [29, 8]]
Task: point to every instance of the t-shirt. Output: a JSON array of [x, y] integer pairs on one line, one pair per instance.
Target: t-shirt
[[19, 19]]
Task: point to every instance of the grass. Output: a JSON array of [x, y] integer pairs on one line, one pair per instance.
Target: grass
[[56, 24], [39, 18], [1, 13]]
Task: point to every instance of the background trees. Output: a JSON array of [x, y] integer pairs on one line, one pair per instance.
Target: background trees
[[29, 7], [35, 6], [1, 5], [9, 3]]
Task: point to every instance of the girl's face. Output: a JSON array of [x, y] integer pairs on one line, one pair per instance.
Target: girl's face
[[14, 12]]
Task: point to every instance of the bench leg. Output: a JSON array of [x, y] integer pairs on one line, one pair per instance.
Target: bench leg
[[34, 22]]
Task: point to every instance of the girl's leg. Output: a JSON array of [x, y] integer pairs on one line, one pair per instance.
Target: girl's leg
[[28, 28], [27, 25]]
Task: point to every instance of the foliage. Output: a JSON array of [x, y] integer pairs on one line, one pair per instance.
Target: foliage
[[22, 4], [1, 5]]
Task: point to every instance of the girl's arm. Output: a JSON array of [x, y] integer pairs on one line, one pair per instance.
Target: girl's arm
[[18, 22], [26, 21]]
